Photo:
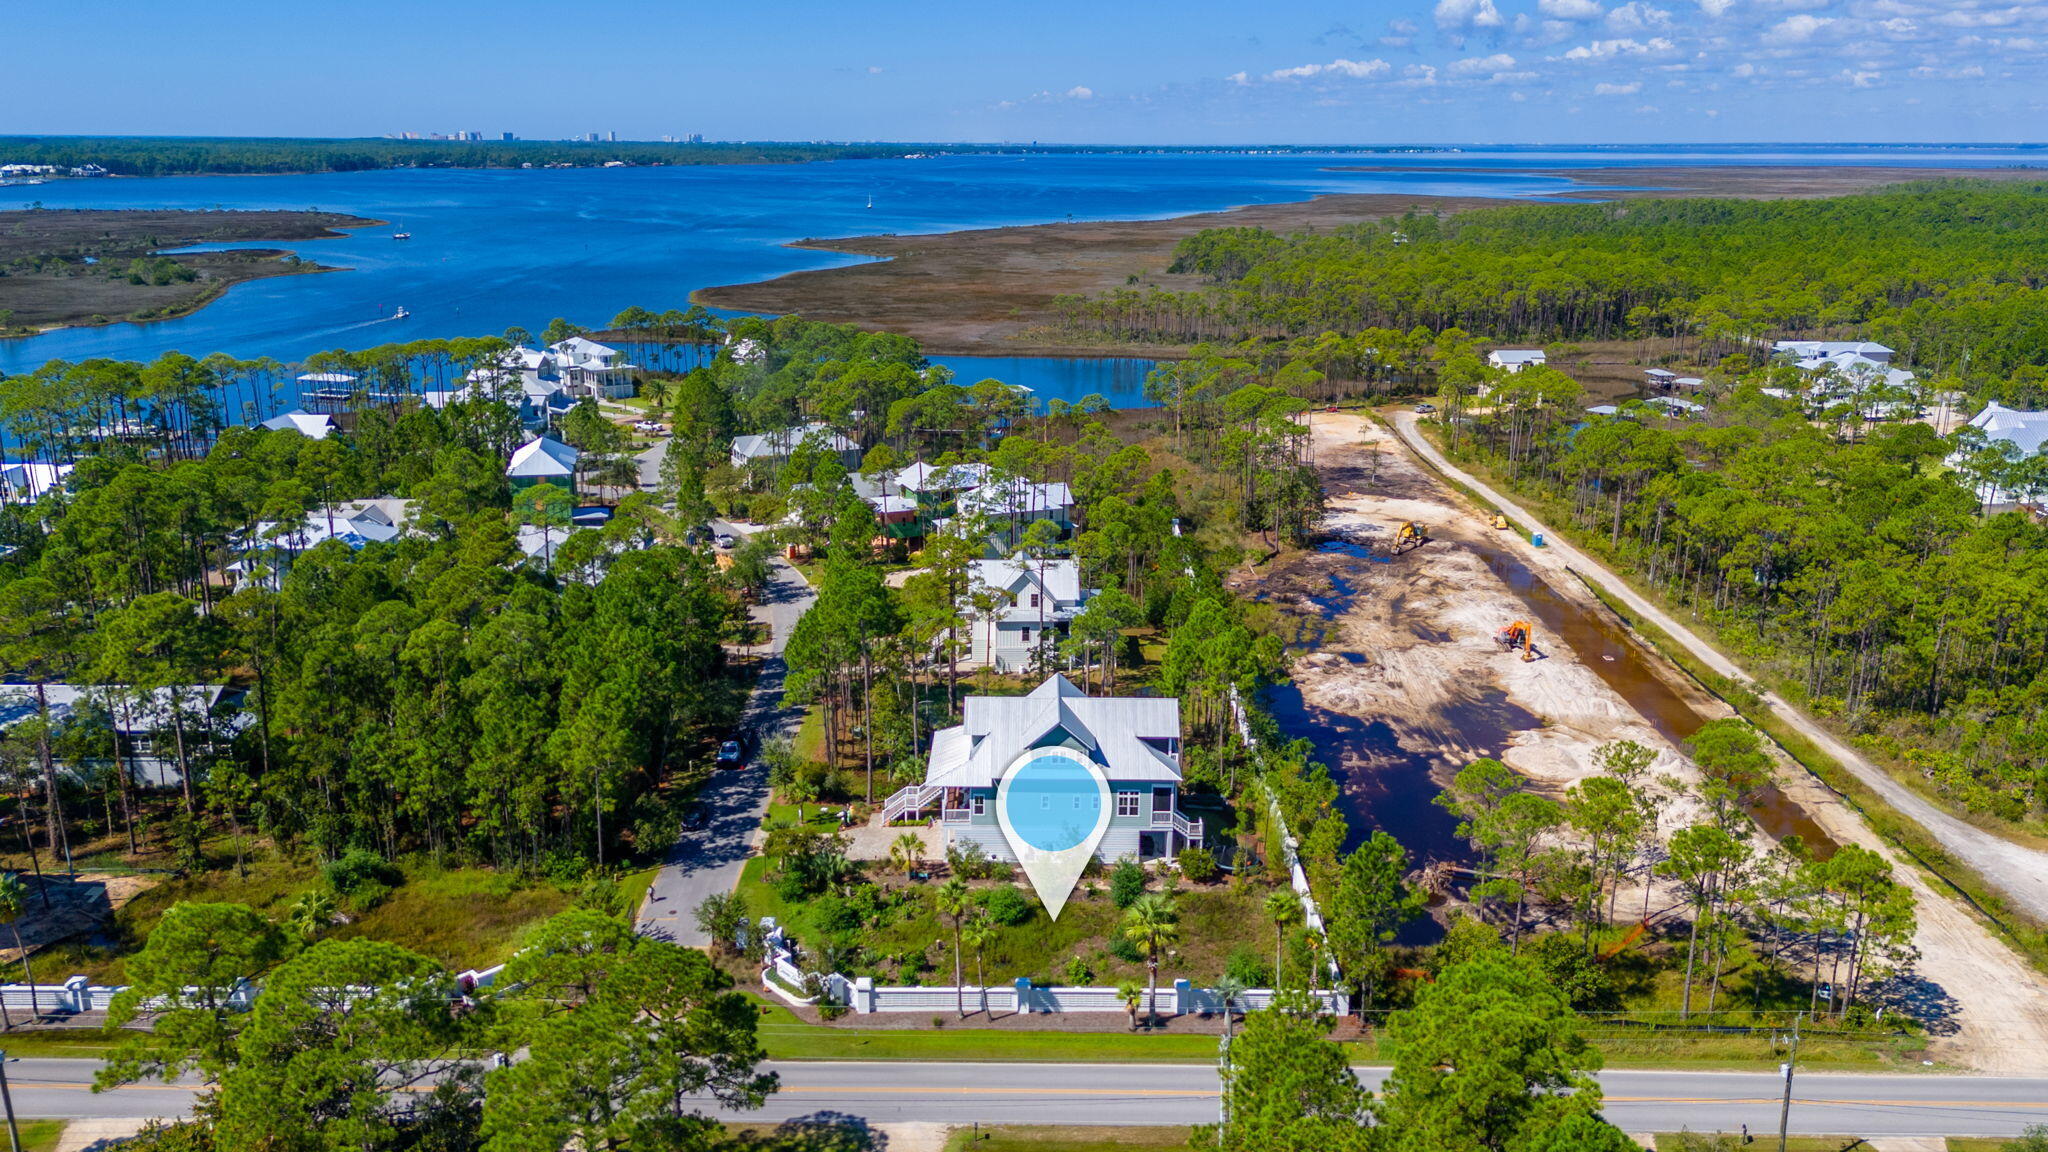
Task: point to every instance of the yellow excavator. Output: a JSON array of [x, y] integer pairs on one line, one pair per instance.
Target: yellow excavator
[[1409, 535], [1518, 635]]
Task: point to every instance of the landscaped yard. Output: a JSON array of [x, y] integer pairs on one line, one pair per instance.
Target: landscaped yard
[[907, 940]]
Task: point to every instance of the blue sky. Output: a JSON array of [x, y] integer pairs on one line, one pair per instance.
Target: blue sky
[[1195, 71]]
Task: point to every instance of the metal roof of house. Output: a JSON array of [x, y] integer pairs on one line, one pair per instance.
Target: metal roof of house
[[1111, 730], [308, 424], [783, 441], [2026, 431], [543, 457]]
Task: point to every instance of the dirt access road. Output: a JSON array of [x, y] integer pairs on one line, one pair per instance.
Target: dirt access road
[[2019, 871], [1408, 672]]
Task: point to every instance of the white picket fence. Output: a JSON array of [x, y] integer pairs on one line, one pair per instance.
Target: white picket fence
[[782, 977]]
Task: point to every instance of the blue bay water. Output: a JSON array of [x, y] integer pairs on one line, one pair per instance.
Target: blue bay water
[[492, 249]]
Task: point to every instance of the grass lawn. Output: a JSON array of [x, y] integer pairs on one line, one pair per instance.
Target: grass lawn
[[1049, 1138], [82, 1043], [462, 917], [1733, 1142], [40, 1135]]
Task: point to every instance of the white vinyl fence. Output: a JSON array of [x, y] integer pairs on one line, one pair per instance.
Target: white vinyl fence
[[781, 976]]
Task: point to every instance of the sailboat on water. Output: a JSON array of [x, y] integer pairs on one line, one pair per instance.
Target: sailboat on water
[[871, 199]]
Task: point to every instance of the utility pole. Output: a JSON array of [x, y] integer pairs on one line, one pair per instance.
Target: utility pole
[[6, 1097], [1785, 1108]]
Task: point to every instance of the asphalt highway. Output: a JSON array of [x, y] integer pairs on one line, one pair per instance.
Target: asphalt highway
[[961, 1093]]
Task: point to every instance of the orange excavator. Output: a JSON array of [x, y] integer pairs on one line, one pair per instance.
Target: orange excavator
[[1518, 635]]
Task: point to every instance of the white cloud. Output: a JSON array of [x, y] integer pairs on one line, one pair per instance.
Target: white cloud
[[1862, 79], [1350, 69], [1616, 89], [1077, 92], [1483, 65], [1418, 75], [1570, 9], [1796, 29], [875, 69], [1610, 49], [1462, 15], [1637, 16], [1716, 8], [1899, 26]]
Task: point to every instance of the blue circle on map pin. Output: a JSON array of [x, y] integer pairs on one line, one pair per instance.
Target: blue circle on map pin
[[1053, 806]]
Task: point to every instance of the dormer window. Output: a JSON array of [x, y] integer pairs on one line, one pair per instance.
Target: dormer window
[[1034, 599]]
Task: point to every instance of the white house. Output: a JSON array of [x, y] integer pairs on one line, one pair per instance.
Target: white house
[[1034, 601], [1019, 502], [141, 722], [541, 460], [313, 426], [30, 480], [773, 448], [1828, 349], [1515, 359], [1135, 742], [272, 545], [587, 368]]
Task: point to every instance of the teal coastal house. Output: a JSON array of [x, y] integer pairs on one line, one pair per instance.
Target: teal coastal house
[[1135, 741]]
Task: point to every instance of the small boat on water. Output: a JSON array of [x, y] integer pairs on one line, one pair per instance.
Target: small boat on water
[[401, 313], [871, 199], [401, 235]]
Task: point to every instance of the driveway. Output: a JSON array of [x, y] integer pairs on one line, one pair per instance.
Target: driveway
[[709, 860]]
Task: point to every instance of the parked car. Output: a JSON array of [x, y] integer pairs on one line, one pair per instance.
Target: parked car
[[726, 541], [648, 426], [733, 753], [695, 817], [1425, 409]]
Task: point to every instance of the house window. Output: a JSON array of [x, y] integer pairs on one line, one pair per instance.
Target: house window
[[1027, 635], [1034, 599], [1127, 803], [980, 804]]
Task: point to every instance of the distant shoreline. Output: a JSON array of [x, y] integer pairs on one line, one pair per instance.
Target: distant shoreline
[[990, 291], [69, 262]]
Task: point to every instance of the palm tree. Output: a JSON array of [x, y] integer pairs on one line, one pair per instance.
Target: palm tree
[[1152, 923], [906, 851], [13, 901], [1283, 908], [980, 933], [1228, 990], [312, 913], [953, 901], [1132, 995]]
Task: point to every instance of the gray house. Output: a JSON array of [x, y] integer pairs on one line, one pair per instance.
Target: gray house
[[1135, 741]]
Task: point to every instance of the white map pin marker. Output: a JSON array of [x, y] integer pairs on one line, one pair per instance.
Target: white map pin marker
[[1053, 807]]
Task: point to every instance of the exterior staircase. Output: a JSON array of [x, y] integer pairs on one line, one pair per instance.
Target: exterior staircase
[[908, 799]]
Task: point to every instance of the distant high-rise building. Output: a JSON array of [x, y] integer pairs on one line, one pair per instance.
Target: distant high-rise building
[[507, 136], [612, 137], [696, 137], [590, 137]]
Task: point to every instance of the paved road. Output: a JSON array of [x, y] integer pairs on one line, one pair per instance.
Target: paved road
[[2015, 869], [1870, 1106], [709, 860]]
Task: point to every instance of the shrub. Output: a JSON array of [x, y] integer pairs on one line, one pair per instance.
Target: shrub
[[1198, 865], [362, 877], [1248, 966], [836, 917], [968, 860], [1126, 882], [1125, 949], [1007, 905], [1077, 973]]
